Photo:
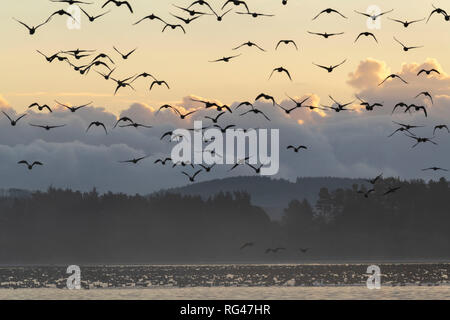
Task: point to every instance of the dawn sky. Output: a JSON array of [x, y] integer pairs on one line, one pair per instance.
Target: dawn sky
[[354, 145]]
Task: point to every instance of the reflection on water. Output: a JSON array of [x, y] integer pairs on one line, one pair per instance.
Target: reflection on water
[[235, 293]]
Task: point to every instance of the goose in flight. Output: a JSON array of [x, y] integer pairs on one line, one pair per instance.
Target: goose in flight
[[374, 180], [249, 44], [185, 115], [191, 12], [73, 109], [246, 245], [47, 128], [183, 164], [366, 34], [149, 17], [106, 76], [417, 108], [255, 111], [163, 161], [226, 59], [286, 42], [118, 4], [256, 169], [340, 105], [173, 27], [97, 124], [39, 107], [297, 104], [441, 127], [280, 70], [438, 11], [62, 13], [223, 130], [405, 48], [406, 23], [236, 3], [93, 18], [326, 35], [30, 166], [328, 11], [124, 56], [122, 119], [426, 94], [136, 125], [239, 162], [216, 119], [206, 168], [103, 56], [428, 72], [12, 121], [366, 193], [407, 126], [192, 178], [391, 190], [434, 169], [32, 30], [393, 76], [159, 83], [330, 68], [143, 75], [256, 14], [401, 129], [71, 2], [122, 83], [134, 161], [267, 97], [421, 140], [367, 105], [297, 149], [186, 20], [374, 16], [166, 106]]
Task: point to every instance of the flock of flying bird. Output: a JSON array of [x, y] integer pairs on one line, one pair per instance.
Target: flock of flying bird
[[104, 65]]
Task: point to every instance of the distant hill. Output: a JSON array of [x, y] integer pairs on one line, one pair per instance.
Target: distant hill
[[271, 194]]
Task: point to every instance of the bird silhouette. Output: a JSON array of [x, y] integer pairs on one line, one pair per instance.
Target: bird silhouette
[[216, 119], [330, 68], [246, 245], [326, 35], [125, 56], [280, 70], [255, 111], [135, 160], [392, 76], [47, 127], [286, 42], [374, 16], [122, 119], [328, 11], [434, 169], [40, 107], [366, 34], [73, 109], [405, 48], [223, 130], [426, 94], [249, 44], [12, 121], [32, 30], [428, 72], [265, 96], [93, 18], [226, 59], [97, 124], [440, 127], [391, 190], [173, 27], [30, 166], [421, 140], [118, 4], [376, 179], [256, 14], [297, 149], [163, 161], [150, 17], [159, 83], [406, 23], [192, 177], [438, 11], [366, 193]]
